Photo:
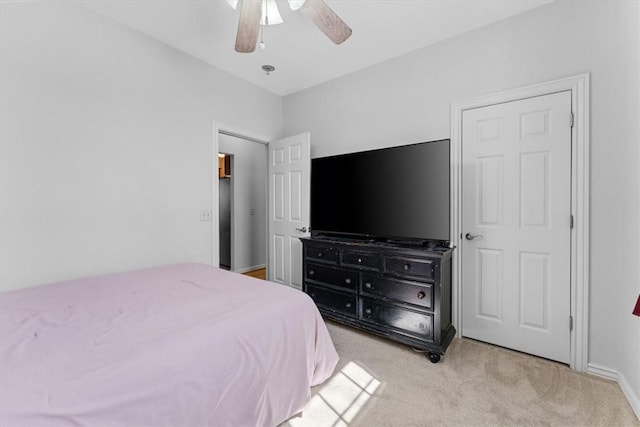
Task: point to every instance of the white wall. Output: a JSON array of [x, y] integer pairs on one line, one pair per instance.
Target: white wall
[[249, 201], [407, 99], [629, 212], [105, 145]]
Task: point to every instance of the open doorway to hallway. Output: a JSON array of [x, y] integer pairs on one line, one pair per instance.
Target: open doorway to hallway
[[242, 201], [224, 208]]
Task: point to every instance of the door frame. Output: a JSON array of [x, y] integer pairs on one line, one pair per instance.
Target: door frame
[[579, 310], [218, 128]]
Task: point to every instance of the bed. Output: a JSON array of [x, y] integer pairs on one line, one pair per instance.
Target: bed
[[180, 345]]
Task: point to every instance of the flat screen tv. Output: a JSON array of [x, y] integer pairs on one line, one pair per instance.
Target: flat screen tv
[[398, 193]]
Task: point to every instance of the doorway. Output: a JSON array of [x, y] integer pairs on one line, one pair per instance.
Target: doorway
[[241, 193], [225, 206], [578, 220]]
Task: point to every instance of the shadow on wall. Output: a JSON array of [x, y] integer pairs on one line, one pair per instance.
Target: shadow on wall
[[340, 400]]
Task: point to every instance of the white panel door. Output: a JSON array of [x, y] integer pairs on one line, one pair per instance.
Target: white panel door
[[289, 187], [516, 210]]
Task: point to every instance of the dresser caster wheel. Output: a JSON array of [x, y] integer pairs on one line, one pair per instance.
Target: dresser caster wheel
[[434, 357]]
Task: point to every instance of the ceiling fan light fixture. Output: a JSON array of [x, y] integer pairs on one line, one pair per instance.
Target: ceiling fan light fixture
[[295, 4], [256, 14], [233, 3], [270, 13]]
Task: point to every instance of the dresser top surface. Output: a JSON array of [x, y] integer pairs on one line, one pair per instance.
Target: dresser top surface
[[369, 245]]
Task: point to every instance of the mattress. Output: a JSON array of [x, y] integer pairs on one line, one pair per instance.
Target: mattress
[[180, 345]]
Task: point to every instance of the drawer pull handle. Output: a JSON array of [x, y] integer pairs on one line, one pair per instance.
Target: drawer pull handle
[[407, 267], [367, 310], [320, 254], [368, 285], [359, 260], [421, 295], [312, 272], [348, 305], [347, 281]]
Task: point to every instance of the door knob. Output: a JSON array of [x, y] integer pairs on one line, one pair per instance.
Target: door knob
[[302, 230], [470, 236]]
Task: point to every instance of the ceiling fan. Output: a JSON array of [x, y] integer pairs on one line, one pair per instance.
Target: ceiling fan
[[253, 13]]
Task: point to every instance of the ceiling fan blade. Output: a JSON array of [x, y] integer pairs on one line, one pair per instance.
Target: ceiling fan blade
[[248, 26], [326, 20]]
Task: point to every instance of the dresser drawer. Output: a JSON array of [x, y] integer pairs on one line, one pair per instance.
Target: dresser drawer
[[339, 302], [413, 268], [409, 322], [409, 292], [332, 276], [322, 253], [370, 261]]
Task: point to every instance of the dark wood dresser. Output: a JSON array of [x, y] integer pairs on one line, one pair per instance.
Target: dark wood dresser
[[400, 292]]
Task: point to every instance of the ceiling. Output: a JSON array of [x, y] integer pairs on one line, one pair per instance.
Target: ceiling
[[301, 54]]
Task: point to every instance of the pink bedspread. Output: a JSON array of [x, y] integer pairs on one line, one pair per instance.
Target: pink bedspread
[[182, 345]]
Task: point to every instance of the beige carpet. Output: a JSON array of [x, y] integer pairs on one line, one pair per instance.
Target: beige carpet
[[381, 383]]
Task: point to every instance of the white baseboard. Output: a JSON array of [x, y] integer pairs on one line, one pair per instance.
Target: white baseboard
[[614, 375], [633, 399], [601, 371]]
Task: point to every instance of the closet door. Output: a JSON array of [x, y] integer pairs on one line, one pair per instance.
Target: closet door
[[516, 225]]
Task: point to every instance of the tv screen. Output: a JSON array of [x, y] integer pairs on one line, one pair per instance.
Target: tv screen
[[393, 193]]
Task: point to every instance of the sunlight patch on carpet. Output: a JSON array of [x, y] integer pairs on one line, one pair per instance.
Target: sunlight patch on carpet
[[340, 400]]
